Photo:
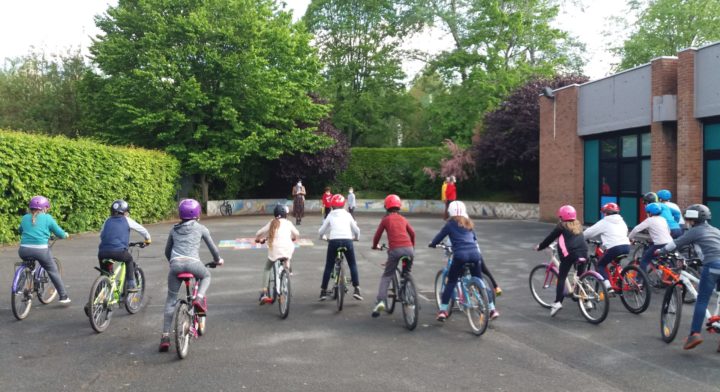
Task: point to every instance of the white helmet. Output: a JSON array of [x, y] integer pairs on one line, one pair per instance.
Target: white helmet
[[457, 208]]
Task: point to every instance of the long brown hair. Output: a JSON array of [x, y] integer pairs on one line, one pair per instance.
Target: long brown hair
[[463, 222], [274, 225], [573, 226]]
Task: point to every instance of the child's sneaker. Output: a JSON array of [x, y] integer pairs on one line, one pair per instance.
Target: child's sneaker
[[692, 341], [265, 300], [498, 291], [442, 315], [65, 300], [86, 308], [200, 305], [132, 287], [323, 295], [494, 314], [356, 294], [555, 308], [164, 344], [379, 307]]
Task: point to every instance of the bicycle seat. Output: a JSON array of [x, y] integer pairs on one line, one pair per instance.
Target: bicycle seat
[[342, 249], [185, 275], [618, 258], [29, 259], [282, 259], [582, 260]]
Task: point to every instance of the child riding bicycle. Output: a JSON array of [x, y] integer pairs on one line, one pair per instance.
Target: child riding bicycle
[[340, 229], [280, 234], [613, 232], [658, 229], [182, 251]]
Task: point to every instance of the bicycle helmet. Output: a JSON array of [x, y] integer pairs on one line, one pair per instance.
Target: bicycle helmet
[[650, 197], [337, 201], [392, 201], [280, 211], [610, 209], [698, 212], [189, 209], [457, 208], [567, 213], [664, 195], [653, 209], [39, 203], [119, 207]]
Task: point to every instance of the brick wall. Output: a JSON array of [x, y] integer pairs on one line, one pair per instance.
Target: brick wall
[[689, 135], [664, 138]]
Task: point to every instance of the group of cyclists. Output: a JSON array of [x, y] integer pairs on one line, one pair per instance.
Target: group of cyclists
[[667, 230]]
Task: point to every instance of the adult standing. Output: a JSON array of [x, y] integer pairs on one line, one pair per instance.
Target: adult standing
[[351, 202], [450, 193], [326, 202], [298, 193]]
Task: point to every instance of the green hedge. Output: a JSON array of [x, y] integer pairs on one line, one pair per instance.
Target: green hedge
[[81, 178], [392, 170]]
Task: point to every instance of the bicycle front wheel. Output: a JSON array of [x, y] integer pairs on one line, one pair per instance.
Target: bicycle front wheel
[[671, 313], [592, 298], [21, 300], [478, 309], [410, 306], [635, 289], [392, 295], [133, 301], [284, 296], [99, 301], [45, 289], [543, 285]]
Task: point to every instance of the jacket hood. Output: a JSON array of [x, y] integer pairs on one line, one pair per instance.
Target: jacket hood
[[185, 228], [615, 218]]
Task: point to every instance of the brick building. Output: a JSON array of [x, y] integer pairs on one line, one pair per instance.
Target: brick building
[[656, 126]]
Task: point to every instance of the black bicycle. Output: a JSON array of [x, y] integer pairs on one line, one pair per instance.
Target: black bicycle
[[402, 289], [225, 208]]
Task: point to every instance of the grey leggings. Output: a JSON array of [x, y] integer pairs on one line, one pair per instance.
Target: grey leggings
[[194, 267], [390, 266], [45, 258]]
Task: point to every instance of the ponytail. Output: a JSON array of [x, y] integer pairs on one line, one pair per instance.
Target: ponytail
[[35, 212], [274, 225]]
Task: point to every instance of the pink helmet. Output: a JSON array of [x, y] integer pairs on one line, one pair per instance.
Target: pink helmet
[[39, 203], [567, 213], [392, 201], [189, 209]]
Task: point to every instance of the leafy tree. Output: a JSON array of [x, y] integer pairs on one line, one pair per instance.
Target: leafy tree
[[664, 27], [507, 151], [221, 84]]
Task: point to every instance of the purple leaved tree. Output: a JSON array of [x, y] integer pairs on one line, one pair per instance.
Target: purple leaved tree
[[461, 163]]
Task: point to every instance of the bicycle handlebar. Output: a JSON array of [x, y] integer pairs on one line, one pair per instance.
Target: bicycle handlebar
[[138, 244]]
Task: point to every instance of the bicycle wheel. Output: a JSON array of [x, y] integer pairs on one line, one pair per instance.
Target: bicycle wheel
[[410, 305], [46, 289], [133, 301], [183, 322], [634, 293], [478, 310], [592, 298], [272, 292], [100, 296], [340, 288], [543, 285], [284, 297], [439, 287], [670, 313], [21, 300], [393, 294]]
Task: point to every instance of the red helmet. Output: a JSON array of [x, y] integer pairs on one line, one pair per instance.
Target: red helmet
[[392, 201], [610, 208], [337, 201]]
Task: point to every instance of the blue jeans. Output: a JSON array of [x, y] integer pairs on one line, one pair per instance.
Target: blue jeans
[[609, 256], [709, 278], [333, 246], [648, 255]]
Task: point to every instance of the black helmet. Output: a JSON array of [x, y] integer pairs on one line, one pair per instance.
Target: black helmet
[[650, 197], [119, 207], [280, 211], [698, 212]]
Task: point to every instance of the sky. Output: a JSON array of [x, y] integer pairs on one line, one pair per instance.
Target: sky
[[55, 26]]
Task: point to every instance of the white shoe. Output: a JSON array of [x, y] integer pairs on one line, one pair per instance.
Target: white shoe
[[555, 308]]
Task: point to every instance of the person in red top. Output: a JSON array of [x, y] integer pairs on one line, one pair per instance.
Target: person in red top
[[450, 194], [326, 202], [401, 239]]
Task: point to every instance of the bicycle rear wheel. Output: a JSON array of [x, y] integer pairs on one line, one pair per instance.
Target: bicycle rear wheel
[[635, 292], [478, 310], [272, 292], [100, 297], [670, 313], [340, 289], [46, 289], [21, 300], [183, 322], [543, 285], [439, 287], [592, 298], [410, 305], [133, 301], [284, 297], [393, 294]]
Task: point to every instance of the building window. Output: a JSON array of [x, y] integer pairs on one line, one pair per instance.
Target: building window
[[711, 158]]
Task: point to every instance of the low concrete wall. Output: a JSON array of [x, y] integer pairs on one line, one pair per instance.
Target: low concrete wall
[[476, 209]]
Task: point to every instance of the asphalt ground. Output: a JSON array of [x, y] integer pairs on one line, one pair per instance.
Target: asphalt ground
[[248, 347]]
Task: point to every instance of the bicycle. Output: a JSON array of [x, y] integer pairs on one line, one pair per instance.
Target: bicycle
[[587, 289], [402, 289], [109, 290], [31, 279], [225, 208], [339, 278], [680, 283], [629, 282], [471, 295], [659, 279], [279, 287], [188, 322]]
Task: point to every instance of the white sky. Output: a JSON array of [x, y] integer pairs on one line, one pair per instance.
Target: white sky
[[55, 26]]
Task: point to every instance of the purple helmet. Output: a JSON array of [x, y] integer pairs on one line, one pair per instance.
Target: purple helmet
[[189, 209], [39, 202]]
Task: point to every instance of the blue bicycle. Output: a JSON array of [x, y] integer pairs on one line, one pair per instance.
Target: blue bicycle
[[471, 296], [31, 280]]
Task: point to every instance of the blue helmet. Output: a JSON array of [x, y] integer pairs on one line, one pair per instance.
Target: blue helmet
[[653, 209], [664, 195]]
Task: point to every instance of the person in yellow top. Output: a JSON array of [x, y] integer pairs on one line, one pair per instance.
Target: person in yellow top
[[442, 191]]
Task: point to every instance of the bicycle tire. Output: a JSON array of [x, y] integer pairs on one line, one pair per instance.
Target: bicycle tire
[[100, 295], [271, 284], [670, 313], [439, 286], [478, 308], [133, 301], [285, 295], [594, 306], [542, 287], [635, 293], [392, 294], [340, 289], [183, 323], [21, 294], [410, 305], [46, 289]]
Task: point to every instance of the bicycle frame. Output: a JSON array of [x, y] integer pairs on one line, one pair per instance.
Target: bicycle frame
[[570, 283], [117, 279], [188, 300], [460, 292]]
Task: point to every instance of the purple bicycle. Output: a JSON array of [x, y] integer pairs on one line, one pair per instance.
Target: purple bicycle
[[31, 280]]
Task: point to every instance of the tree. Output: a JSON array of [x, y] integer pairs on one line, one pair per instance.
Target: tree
[[507, 151], [218, 83], [664, 27]]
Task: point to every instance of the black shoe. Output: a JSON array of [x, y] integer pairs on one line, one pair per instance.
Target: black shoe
[[356, 294], [164, 344], [323, 295], [87, 309]]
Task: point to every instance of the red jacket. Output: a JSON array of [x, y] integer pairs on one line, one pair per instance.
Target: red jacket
[[326, 199], [451, 192], [399, 232]]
